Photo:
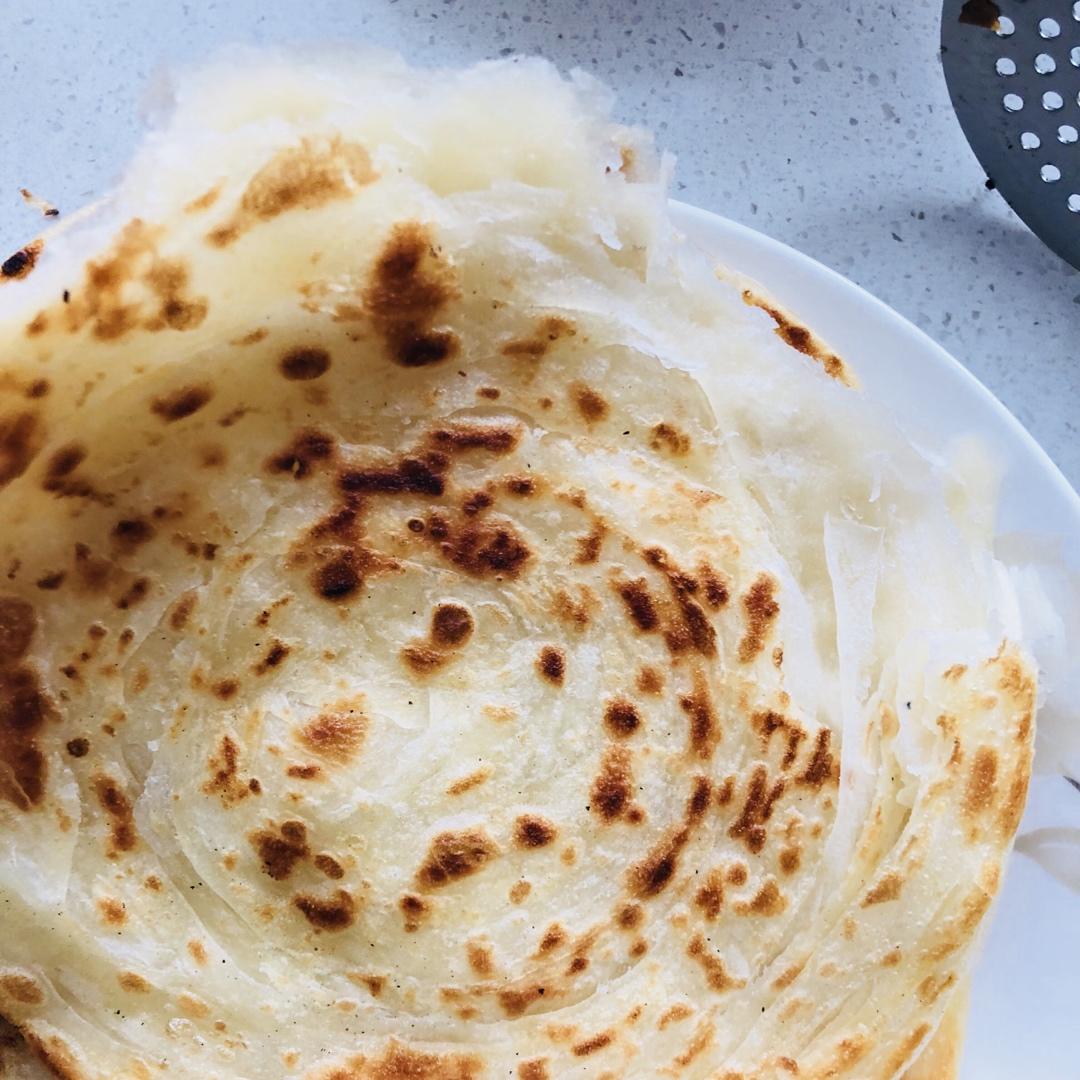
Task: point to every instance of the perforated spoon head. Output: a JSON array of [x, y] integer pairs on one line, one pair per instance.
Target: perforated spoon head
[[1013, 72]]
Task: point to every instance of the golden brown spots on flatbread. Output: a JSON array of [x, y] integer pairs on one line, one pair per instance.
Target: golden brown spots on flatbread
[[128, 534], [275, 655], [112, 911], [18, 622], [336, 734], [650, 681], [701, 714], [589, 545], [515, 1002], [132, 982], [375, 984], [467, 783], [629, 916], [481, 958], [749, 826], [766, 722], [454, 855], [674, 1015], [548, 331], [118, 809], [409, 287], [309, 448], [168, 280], [822, 768], [181, 403], [593, 1044], [716, 975], [21, 435], [304, 363], [63, 461], [280, 848], [253, 337], [611, 794], [21, 264], [982, 781], [640, 605], [21, 988], [800, 338], [225, 689], [887, 888], [422, 659], [334, 913], [419, 475], [933, 986], [590, 404], [204, 201], [555, 936], [653, 874], [532, 831], [476, 503], [495, 437], [225, 780], [79, 747], [488, 548], [329, 866], [521, 486], [669, 439], [551, 664], [519, 891], [451, 625], [303, 177], [575, 611], [906, 1048], [768, 901], [1012, 808], [709, 897], [621, 718], [760, 610], [401, 1062], [534, 1069], [414, 910], [714, 587]]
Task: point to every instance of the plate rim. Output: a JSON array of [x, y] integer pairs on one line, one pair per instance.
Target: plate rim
[[687, 216]]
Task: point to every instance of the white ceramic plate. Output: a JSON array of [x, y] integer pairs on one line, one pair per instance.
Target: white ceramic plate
[[1025, 999]]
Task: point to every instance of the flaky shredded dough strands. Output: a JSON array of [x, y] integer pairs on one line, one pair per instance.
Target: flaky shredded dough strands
[[445, 631]]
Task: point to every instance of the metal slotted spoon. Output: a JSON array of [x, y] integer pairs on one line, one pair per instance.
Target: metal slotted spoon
[[1013, 72]]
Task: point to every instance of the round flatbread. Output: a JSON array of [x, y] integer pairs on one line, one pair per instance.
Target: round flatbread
[[446, 631]]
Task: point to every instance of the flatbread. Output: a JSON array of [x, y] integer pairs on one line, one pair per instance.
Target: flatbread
[[446, 632]]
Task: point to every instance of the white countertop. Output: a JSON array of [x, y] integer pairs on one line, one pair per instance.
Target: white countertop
[[826, 125]]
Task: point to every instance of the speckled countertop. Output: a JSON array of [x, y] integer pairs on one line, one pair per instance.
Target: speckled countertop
[[826, 125]]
